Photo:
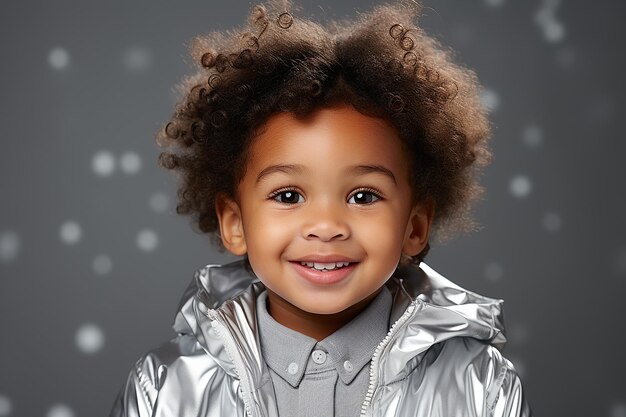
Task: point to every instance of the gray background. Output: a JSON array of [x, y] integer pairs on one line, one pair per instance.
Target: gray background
[[93, 258]]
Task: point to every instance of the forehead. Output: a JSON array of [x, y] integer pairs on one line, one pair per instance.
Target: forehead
[[329, 137]]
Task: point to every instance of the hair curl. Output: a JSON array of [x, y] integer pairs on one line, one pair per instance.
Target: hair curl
[[381, 63]]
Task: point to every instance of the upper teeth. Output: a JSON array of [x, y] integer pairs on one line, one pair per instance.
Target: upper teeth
[[320, 265]]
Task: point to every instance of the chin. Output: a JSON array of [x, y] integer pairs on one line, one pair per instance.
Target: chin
[[323, 308]]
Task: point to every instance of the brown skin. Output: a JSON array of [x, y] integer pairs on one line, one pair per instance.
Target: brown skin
[[333, 187]]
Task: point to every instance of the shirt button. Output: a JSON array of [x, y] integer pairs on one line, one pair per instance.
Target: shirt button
[[319, 356], [292, 368], [347, 365]]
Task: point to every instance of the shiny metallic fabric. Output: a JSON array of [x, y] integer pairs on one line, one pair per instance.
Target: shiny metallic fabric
[[439, 359]]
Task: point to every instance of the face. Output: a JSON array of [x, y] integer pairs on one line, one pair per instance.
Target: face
[[324, 209]]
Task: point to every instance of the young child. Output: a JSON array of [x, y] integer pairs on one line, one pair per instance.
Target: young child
[[325, 157]]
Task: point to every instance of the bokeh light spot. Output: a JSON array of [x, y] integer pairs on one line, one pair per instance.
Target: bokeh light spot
[[102, 264], [494, 272], [552, 222], [137, 59], [147, 240], [70, 232], [6, 407], [89, 338], [130, 163], [520, 186], [9, 246], [159, 202], [60, 410], [59, 58], [554, 31], [618, 410], [532, 136], [103, 163], [494, 3], [490, 99]]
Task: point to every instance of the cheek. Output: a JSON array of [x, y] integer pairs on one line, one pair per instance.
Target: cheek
[[385, 233], [265, 232]]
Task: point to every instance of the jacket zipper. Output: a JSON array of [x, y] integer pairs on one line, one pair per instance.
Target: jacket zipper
[[160, 380], [375, 359], [231, 351]]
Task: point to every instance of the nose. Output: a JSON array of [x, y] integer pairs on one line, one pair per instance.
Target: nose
[[326, 223]]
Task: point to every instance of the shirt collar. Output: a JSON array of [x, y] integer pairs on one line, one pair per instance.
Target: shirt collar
[[355, 342]]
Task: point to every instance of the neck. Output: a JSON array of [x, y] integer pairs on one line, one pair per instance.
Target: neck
[[317, 326]]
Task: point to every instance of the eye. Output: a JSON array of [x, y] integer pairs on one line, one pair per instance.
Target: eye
[[288, 197], [363, 197]]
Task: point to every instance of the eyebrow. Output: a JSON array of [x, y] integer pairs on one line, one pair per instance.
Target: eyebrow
[[286, 169], [299, 169], [367, 169]]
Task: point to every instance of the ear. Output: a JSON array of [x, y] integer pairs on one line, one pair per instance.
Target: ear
[[231, 226], [418, 228]]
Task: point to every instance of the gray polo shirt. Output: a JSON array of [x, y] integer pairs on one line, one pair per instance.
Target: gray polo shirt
[[327, 378]]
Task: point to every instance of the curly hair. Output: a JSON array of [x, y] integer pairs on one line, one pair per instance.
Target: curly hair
[[381, 63]]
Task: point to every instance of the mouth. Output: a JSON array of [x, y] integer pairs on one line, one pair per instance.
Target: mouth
[[332, 271], [325, 266]]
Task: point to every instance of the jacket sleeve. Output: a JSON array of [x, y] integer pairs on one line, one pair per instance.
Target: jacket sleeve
[[507, 398], [138, 395]]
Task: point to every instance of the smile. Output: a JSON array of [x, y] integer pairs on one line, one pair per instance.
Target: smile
[[325, 266], [324, 273]]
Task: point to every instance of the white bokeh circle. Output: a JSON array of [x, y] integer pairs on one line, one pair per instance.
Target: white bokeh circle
[[520, 186], [553, 31], [130, 163], [89, 338], [10, 244], [70, 232], [159, 202], [102, 264], [60, 410], [6, 407], [103, 163], [58, 58], [532, 136], [490, 99], [147, 240]]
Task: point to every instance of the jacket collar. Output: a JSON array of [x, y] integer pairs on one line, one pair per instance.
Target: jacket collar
[[442, 310]]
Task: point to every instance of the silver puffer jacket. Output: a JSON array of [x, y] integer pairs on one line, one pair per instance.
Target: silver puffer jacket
[[440, 357]]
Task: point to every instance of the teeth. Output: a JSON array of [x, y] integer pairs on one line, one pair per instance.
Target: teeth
[[328, 266]]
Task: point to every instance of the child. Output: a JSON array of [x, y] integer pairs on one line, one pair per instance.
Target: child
[[324, 157]]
